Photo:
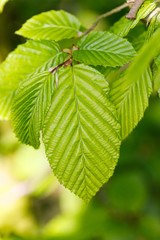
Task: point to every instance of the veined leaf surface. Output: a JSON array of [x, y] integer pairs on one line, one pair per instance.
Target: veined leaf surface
[[30, 106], [131, 93], [81, 132], [52, 25], [131, 99], [124, 25], [104, 48], [28, 58]]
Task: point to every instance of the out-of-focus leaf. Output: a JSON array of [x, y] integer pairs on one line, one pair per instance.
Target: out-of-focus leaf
[[149, 227], [2, 3], [127, 192], [131, 99], [131, 92]]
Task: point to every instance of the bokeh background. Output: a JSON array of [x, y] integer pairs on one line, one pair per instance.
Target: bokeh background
[[33, 205]]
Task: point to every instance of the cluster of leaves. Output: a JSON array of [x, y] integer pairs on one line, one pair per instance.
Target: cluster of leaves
[[83, 100]]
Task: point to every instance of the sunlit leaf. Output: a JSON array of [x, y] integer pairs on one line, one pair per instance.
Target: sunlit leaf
[[52, 25], [124, 25], [2, 4], [103, 48], [30, 106], [81, 132], [28, 58], [130, 93]]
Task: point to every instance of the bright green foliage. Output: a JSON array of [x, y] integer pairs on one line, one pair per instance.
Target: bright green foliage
[[31, 57], [31, 103], [130, 92], [81, 132], [124, 25], [2, 3], [53, 25], [5, 104], [154, 22], [130, 95], [104, 48], [81, 121], [145, 56], [106, 70], [157, 60]]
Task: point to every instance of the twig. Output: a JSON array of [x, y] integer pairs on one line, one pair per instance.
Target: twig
[[130, 2], [115, 10], [66, 63], [133, 12]]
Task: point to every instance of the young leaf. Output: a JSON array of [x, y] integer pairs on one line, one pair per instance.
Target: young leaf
[[81, 132], [131, 92], [30, 106], [104, 48], [28, 58], [124, 25], [153, 21], [52, 25]]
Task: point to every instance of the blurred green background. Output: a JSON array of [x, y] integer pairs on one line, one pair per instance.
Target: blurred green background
[[33, 205]]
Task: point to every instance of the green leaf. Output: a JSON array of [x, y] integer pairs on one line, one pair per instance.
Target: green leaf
[[153, 22], [81, 132], [156, 81], [130, 95], [156, 75], [104, 48], [138, 41], [157, 60], [28, 58], [2, 4], [52, 25], [106, 70], [5, 104], [145, 56], [124, 25], [30, 106]]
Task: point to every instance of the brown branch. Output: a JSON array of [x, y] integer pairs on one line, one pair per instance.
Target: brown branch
[[66, 63], [133, 12], [115, 10], [130, 2]]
